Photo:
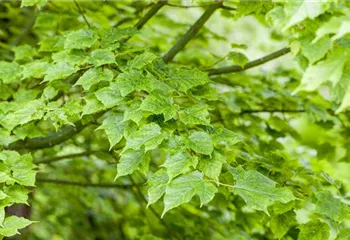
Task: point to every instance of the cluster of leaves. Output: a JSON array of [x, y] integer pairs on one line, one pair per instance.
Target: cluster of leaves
[[230, 153]]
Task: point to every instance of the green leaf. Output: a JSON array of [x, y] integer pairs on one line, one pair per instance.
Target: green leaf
[[109, 96], [315, 51], [280, 224], [110, 37], [2, 216], [211, 167], [258, 191], [195, 114], [92, 105], [159, 104], [9, 72], [35, 69], [17, 194], [73, 56], [201, 142], [184, 188], [298, 11], [29, 3], [314, 230], [330, 69], [240, 46], [226, 137], [52, 44], [32, 110], [93, 76], [134, 113], [24, 52], [346, 101], [80, 39], [59, 70], [134, 80], [12, 224], [237, 58], [157, 184], [130, 160], [331, 207], [140, 61], [179, 163], [114, 128], [149, 135], [344, 234], [101, 57], [337, 25], [185, 79]]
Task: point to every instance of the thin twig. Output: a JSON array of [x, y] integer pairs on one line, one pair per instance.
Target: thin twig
[[68, 156], [257, 62], [82, 13], [26, 29], [85, 184], [140, 194], [194, 29], [198, 6], [272, 111]]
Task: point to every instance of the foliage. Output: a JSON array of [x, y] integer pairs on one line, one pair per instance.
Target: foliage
[[199, 144]]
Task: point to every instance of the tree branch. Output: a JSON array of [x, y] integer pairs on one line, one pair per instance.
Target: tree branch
[[194, 29], [150, 13], [257, 62], [54, 138], [84, 184]]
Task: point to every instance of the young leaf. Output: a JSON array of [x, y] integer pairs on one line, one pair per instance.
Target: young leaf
[[182, 190], [59, 70], [101, 57], [258, 191], [185, 79], [179, 163], [211, 167], [140, 61], [315, 51], [196, 114], [280, 224], [80, 39], [8, 72], [134, 80], [297, 11], [337, 25], [157, 185], [201, 142], [159, 104], [330, 69], [314, 230], [12, 224], [92, 105], [149, 135], [331, 207], [35, 69], [109, 96], [93, 76], [238, 58], [114, 128], [130, 160]]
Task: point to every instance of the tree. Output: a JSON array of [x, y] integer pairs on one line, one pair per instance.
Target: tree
[[215, 119]]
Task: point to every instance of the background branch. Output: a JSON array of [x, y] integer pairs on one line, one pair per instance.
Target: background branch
[[82, 184], [254, 63], [194, 29]]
